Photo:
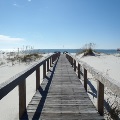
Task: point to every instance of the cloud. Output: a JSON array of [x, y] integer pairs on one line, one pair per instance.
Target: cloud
[[4, 38], [18, 5], [29, 0], [15, 4]]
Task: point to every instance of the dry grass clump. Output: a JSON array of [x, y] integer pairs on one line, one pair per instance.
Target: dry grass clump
[[24, 58], [87, 50], [30, 57]]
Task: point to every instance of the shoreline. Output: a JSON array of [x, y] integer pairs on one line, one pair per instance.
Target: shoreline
[[107, 51]]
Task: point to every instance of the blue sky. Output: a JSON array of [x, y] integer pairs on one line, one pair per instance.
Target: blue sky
[[59, 23]]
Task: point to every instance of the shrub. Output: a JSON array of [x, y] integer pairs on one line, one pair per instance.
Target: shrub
[[88, 52], [87, 49], [30, 57]]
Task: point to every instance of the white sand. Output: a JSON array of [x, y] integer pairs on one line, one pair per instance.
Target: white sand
[[109, 65], [9, 105]]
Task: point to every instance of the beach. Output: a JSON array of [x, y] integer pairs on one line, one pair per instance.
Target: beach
[[107, 64]]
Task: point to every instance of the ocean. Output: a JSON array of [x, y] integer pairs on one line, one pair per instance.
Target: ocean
[[107, 51]]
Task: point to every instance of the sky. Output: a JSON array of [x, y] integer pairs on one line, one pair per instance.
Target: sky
[[58, 24]]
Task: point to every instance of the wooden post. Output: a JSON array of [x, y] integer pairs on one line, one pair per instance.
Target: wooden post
[[53, 58], [72, 61], [37, 78], [47, 65], [22, 98], [50, 61], [78, 70], [85, 79], [44, 69], [74, 65], [100, 97]]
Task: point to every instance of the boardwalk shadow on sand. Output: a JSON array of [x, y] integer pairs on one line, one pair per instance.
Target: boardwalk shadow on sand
[[94, 94], [43, 93]]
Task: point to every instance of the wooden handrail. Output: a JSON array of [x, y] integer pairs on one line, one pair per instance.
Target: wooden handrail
[[102, 81], [20, 80]]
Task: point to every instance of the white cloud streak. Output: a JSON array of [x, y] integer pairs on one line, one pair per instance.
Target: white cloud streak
[[4, 38]]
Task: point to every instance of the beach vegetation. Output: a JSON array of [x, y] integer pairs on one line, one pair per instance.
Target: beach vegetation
[[24, 58], [87, 49], [30, 57]]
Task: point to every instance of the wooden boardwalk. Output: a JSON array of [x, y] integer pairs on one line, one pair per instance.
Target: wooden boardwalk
[[61, 96]]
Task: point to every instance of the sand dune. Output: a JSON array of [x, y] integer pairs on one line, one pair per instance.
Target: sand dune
[[9, 105], [109, 65]]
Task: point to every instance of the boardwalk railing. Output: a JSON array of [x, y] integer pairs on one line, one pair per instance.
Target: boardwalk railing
[[102, 80], [20, 81]]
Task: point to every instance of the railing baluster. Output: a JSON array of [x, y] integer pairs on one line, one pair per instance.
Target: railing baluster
[[74, 65], [22, 98], [37, 78], [70, 60], [50, 61], [44, 69], [47, 65], [85, 79], [53, 58], [78, 70], [100, 97]]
